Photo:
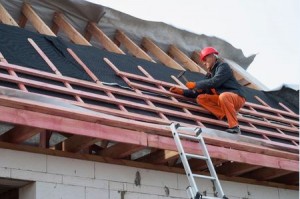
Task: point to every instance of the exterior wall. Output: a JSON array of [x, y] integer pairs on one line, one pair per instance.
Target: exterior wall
[[64, 178]]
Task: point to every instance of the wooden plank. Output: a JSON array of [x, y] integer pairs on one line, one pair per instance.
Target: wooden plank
[[160, 54], [135, 164], [20, 134], [69, 30], [6, 18], [184, 59], [36, 21], [134, 49], [107, 43], [120, 150]]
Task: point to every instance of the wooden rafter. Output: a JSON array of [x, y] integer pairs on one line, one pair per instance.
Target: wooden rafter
[[6, 18], [20, 134], [35, 20], [160, 54], [134, 49], [107, 43], [60, 22], [185, 60], [76, 143]]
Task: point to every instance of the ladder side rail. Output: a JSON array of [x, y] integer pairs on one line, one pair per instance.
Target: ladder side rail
[[184, 160], [210, 167]]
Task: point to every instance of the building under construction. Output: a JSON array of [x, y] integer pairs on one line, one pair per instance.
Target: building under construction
[[85, 110]]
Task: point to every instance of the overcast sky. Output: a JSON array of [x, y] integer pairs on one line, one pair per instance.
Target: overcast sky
[[268, 28]]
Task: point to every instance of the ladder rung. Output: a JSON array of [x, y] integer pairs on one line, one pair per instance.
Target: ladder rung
[[203, 176], [188, 136], [196, 156], [208, 197]]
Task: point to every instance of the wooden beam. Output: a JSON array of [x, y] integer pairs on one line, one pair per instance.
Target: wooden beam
[[160, 157], [134, 49], [69, 30], [36, 21], [160, 54], [236, 169], [120, 150], [185, 60], [135, 164], [106, 42], [20, 134], [6, 18], [76, 143], [45, 138]]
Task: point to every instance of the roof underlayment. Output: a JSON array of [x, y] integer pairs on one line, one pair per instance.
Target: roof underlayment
[[111, 99]]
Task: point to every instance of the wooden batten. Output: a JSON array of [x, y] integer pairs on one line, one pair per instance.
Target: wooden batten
[[106, 42], [134, 49]]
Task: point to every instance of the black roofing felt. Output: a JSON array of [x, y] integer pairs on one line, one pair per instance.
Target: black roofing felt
[[16, 49]]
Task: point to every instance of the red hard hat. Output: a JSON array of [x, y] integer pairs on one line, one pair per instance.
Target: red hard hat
[[207, 51]]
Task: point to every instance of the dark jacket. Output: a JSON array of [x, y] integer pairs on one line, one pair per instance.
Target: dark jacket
[[220, 78]]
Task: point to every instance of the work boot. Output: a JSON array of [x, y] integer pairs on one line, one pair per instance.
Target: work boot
[[234, 130]]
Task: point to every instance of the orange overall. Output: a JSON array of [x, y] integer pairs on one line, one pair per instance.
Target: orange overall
[[226, 104]]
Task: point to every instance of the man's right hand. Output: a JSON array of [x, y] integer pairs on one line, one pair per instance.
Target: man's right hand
[[176, 90]]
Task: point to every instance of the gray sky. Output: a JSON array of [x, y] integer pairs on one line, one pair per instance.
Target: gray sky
[[268, 28]]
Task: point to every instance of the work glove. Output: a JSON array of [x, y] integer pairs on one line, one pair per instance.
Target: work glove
[[176, 90], [191, 85]]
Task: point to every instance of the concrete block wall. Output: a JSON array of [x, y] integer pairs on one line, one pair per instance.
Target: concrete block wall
[[65, 178]]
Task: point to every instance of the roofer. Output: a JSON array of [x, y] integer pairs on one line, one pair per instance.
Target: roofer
[[219, 93]]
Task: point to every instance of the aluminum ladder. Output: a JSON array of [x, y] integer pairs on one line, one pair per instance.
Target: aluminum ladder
[[192, 189]]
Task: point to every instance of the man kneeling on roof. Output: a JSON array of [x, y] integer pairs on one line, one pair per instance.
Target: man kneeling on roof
[[219, 93]]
